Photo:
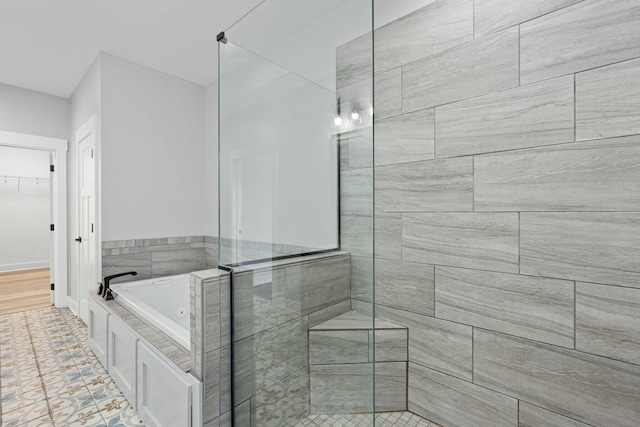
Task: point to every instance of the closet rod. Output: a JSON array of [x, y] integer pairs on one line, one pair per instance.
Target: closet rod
[[22, 178]]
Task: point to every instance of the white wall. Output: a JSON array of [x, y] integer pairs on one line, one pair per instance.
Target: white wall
[[85, 102], [34, 113], [24, 214], [152, 146], [210, 160]]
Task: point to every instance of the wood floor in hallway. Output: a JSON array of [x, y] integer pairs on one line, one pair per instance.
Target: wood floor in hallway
[[24, 290]]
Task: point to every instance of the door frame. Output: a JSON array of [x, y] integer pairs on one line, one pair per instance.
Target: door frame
[[88, 128], [59, 148]]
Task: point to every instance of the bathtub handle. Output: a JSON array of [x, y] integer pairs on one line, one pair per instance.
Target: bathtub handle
[[107, 279]]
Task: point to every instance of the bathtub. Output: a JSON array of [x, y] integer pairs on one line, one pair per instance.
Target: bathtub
[[163, 302]]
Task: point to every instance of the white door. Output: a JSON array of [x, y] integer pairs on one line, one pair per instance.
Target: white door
[[52, 217], [86, 240]]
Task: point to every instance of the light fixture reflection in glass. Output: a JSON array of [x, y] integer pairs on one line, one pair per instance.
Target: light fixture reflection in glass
[[337, 121], [371, 111], [355, 115]]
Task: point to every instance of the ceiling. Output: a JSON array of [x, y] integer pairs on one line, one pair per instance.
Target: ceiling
[[47, 46]]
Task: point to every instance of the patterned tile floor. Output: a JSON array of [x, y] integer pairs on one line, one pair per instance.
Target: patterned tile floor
[[384, 419], [50, 377]]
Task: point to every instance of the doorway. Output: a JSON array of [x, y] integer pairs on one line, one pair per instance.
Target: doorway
[[87, 230], [25, 218], [55, 218]]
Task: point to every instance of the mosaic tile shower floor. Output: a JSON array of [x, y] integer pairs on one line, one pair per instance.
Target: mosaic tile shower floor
[[384, 419], [50, 377]]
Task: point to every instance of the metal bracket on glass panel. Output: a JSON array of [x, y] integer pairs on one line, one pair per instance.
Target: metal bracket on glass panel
[[221, 37]]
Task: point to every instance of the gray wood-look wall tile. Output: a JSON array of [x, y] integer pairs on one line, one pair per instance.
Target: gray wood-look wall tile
[[339, 389], [527, 116], [359, 95], [225, 379], [356, 149], [595, 247], [485, 241], [405, 138], [531, 307], [495, 15], [167, 263], [432, 185], [592, 389], [438, 344], [257, 306], [601, 175], [356, 234], [354, 60], [212, 312], [211, 385], [356, 192], [388, 94], [405, 285], [320, 283], [391, 345], [362, 278], [242, 413], [333, 347], [608, 101], [140, 263], [472, 69], [324, 314], [608, 321], [436, 27], [533, 416], [451, 402], [586, 35], [388, 235]]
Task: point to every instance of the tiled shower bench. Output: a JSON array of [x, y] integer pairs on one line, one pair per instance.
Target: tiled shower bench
[[341, 353]]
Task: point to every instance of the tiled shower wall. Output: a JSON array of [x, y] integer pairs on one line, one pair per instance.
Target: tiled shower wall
[[507, 198], [159, 257]]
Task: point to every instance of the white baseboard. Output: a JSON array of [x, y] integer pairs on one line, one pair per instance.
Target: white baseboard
[[73, 305], [24, 266]]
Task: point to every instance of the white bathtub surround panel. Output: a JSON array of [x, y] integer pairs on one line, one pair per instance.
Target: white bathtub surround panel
[[608, 101], [586, 35], [149, 332]]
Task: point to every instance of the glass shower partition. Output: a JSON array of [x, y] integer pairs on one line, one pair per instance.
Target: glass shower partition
[[296, 210]]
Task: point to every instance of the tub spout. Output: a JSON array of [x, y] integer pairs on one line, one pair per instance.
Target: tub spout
[[106, 291]]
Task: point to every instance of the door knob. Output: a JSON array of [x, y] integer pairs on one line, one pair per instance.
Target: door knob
[[79, 239]]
